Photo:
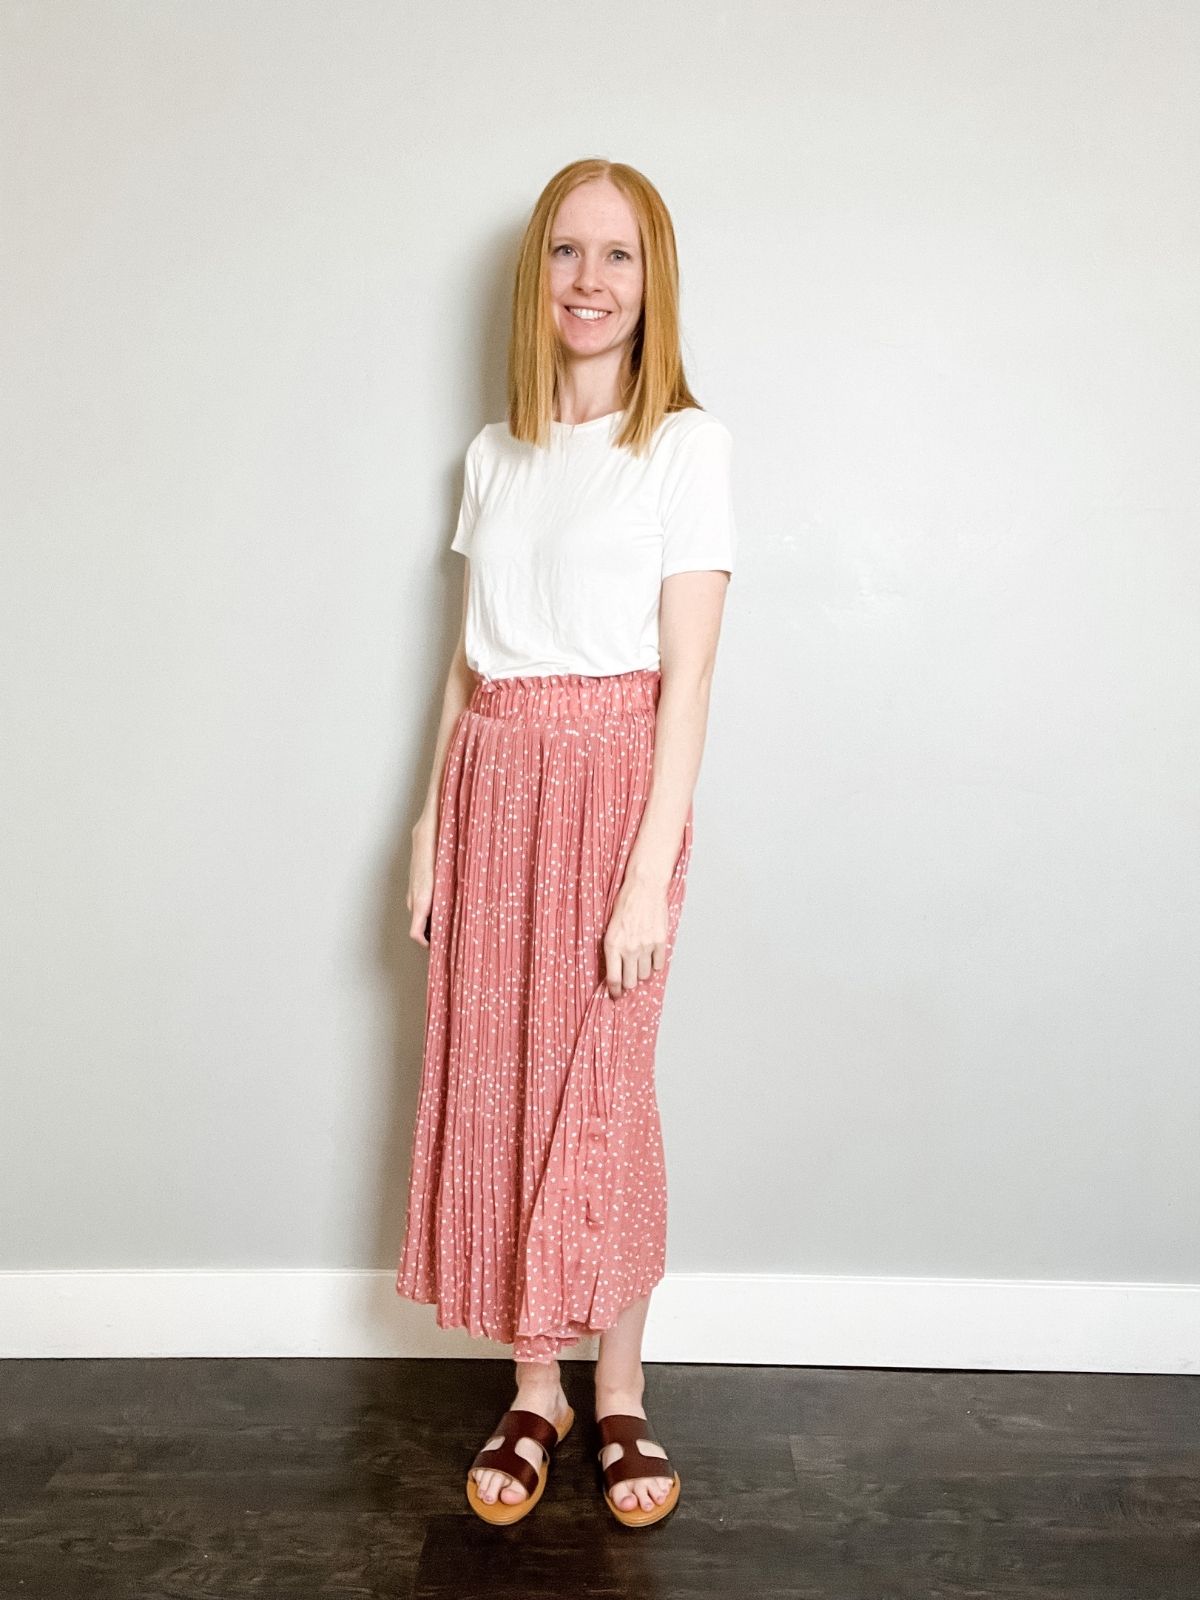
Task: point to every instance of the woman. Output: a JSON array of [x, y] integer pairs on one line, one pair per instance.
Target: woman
[[550, 857]]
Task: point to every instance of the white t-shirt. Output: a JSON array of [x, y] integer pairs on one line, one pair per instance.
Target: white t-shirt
[[569, 544]]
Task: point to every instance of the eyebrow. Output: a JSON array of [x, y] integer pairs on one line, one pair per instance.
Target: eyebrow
[[566, 238]]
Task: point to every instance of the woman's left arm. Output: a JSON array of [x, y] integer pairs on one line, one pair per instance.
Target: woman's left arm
[[690, 611]]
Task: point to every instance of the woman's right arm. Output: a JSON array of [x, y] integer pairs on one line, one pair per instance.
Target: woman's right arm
[[460, 682]]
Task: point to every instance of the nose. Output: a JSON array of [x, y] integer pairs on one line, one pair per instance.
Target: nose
[[587, 277]]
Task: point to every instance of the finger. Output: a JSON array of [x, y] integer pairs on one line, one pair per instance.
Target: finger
[[612, 972], [630, 965], [659, 957], [645, 965]]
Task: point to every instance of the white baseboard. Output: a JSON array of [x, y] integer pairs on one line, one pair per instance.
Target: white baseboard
[[735, 1319]]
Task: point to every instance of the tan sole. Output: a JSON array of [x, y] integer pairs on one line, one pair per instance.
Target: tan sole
[[499, 1512], [637, 1518]]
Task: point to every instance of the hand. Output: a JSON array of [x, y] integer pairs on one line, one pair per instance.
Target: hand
[[420, 881], [635, 943]]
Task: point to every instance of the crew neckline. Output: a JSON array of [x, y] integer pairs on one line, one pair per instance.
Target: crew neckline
[[588, 426]]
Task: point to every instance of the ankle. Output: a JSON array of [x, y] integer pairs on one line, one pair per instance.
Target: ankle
[[538, 1378], [616, 1395]]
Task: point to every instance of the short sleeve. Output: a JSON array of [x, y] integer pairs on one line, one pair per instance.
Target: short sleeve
[[696, 506], [468, 509]]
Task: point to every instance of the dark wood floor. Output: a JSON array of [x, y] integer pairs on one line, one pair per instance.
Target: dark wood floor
[[235, 1478]]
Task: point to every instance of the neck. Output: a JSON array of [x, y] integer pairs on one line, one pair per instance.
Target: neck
[[585, 392]]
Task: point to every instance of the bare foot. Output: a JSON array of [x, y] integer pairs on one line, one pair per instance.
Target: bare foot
[[549, 1401]]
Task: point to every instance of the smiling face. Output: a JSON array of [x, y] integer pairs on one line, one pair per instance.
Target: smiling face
[[596, 272]]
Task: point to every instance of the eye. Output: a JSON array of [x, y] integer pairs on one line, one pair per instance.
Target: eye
[[624, 254]]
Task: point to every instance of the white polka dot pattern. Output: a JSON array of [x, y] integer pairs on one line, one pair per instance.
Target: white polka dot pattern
[[537, 1202]]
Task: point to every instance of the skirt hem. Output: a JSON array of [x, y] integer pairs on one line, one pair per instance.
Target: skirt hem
[[568, 1337]]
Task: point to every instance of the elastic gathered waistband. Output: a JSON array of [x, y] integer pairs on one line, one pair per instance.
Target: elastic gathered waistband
[[568, 694]]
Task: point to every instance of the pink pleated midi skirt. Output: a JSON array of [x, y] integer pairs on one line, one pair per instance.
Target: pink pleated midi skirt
[[537, 1201]]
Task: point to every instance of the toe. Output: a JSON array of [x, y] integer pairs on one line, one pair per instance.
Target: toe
[[644, 1493]]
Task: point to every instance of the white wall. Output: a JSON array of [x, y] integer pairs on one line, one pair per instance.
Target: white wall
[[934, 1005]]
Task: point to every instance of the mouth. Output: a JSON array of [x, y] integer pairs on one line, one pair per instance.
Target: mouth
[[587, 313]]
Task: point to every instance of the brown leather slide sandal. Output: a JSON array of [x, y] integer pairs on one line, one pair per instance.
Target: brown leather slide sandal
[[504, 1457], [629, 1432]]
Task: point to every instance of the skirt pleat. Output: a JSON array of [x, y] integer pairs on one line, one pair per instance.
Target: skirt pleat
[[537, 1189]]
